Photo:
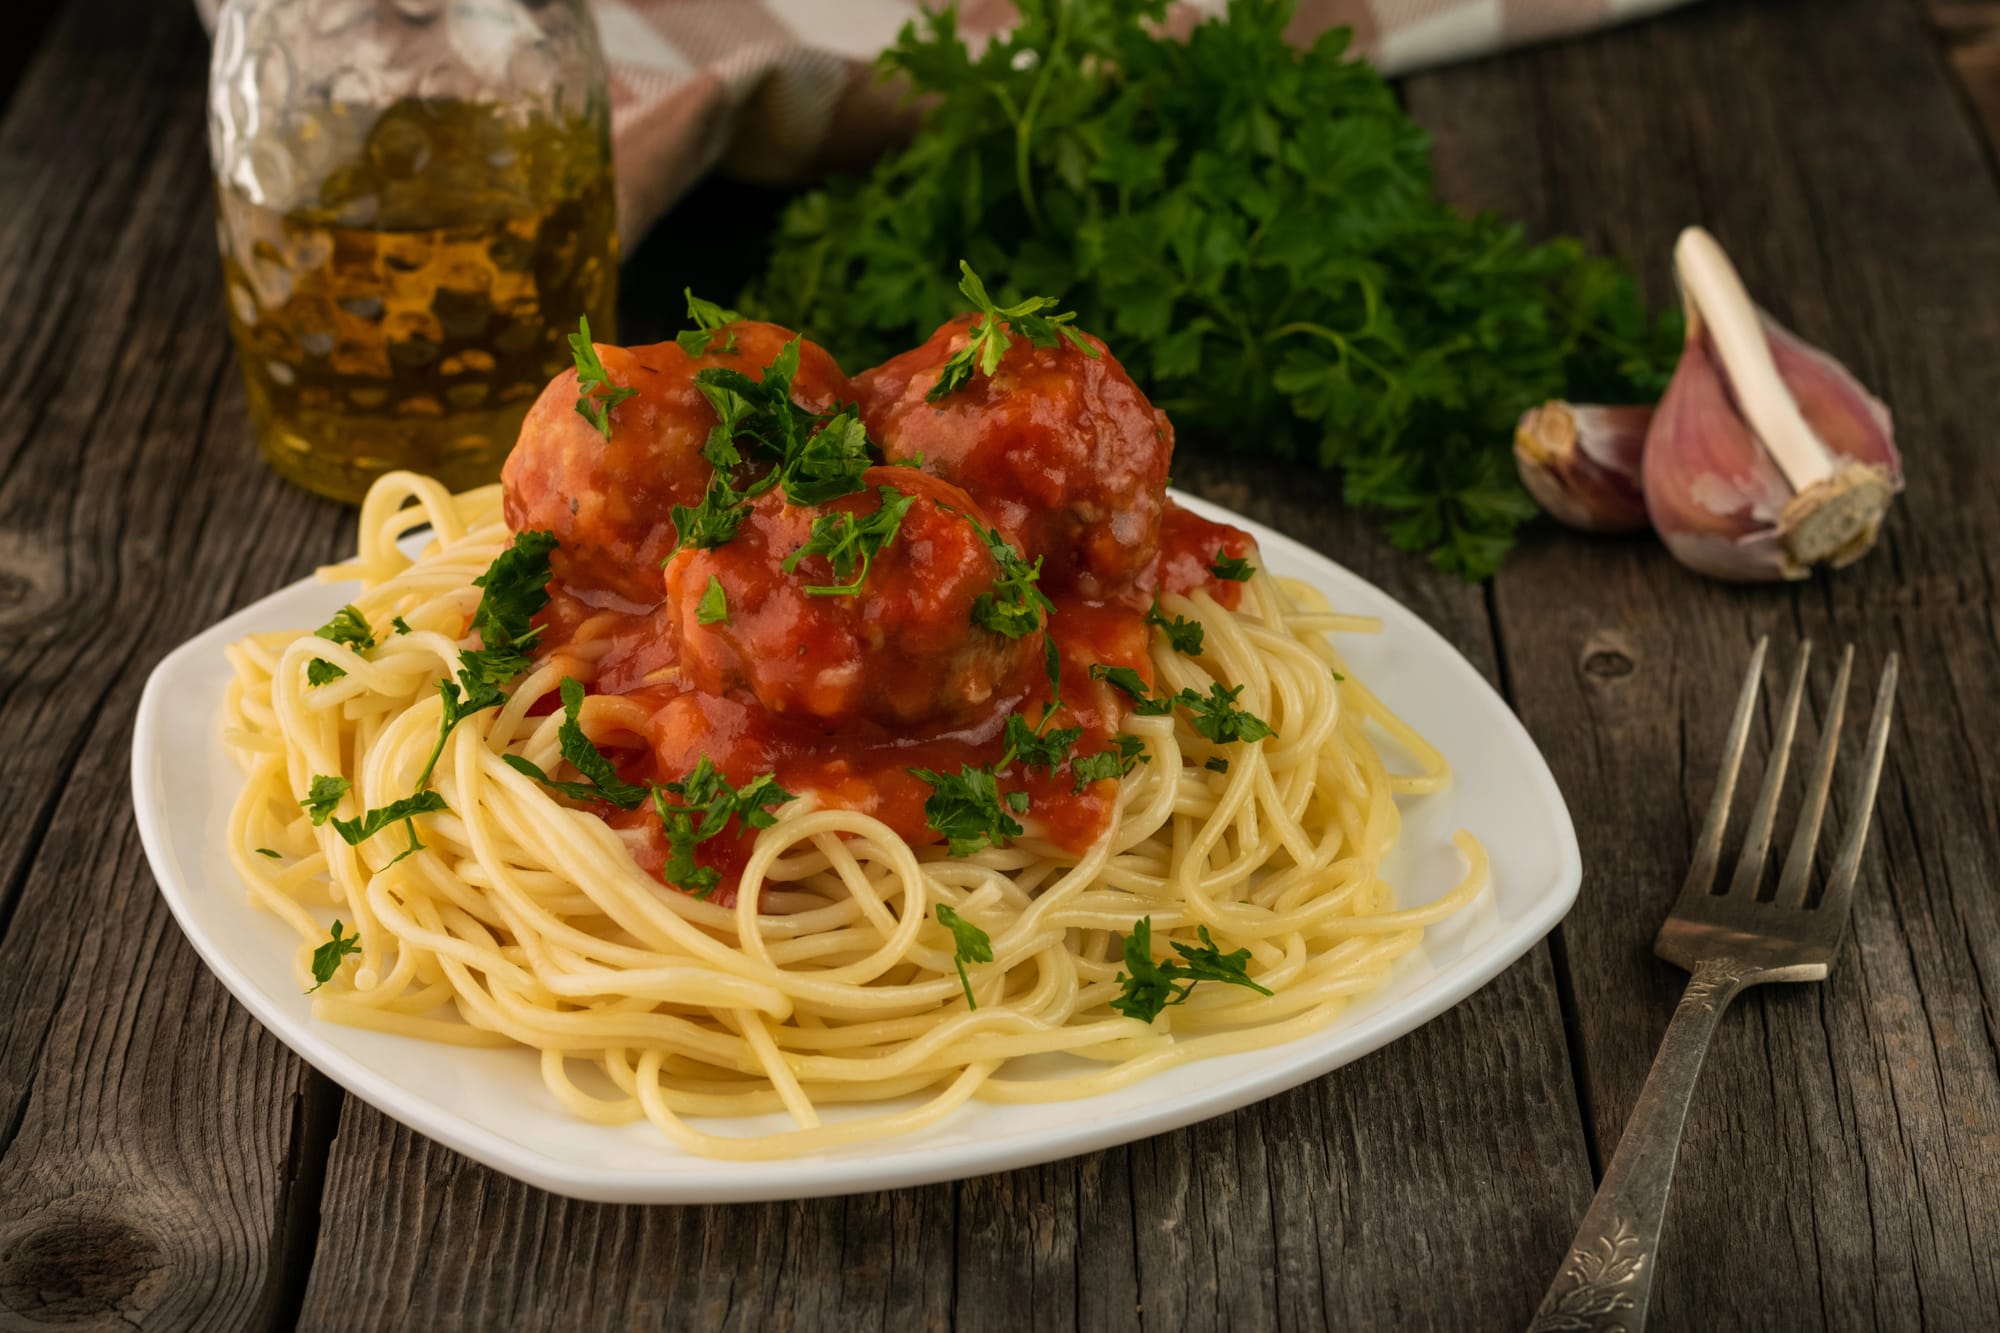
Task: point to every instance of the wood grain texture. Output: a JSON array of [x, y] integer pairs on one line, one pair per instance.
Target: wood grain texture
[[158, 1151], [1839, 1168], [1313, 1209]]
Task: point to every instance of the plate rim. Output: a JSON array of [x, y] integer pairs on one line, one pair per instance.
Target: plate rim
[[1300, 1061]]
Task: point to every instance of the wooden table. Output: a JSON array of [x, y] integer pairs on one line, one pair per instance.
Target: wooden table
[[165, 1163]]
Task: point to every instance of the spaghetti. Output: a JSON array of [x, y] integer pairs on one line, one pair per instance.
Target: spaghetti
[[1225, 893]]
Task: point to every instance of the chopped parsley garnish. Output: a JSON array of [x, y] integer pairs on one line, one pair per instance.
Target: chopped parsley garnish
[[708, 319], [970, 944], [1183, 635], [1126, 754], [1150, 986], [323, 796], [713, 521], [1227, 566], [1036, 748], [815, 459], [348, 627], [828, 463], [357, 831], [1340, 678], [401, 625], [596, 394], [1131, 684], [270, 852], [1217, 765], [713, 609], [1215, 714], [968, 809], [1015, 606], [710, 803], [989, 341], [850, 542], [1217, 717], [515, 588], [327, 958], [601, 781]]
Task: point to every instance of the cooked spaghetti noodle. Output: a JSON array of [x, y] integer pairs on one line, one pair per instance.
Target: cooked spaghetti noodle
[[819, 955]]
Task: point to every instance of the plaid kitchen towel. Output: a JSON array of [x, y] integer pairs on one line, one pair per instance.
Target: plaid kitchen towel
[[784, 87]]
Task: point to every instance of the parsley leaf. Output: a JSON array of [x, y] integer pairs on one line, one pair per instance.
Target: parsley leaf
[[323, 796], [968, 809], [970, 944], [1217, 764], [708, 318], [515, 588], [1217, 717], [711, 803], [1227, 566], [327, 958], [1036, 748], [1150, 986], [713, 609], [1215, 714], [1183, 634], [1126, 754], [270, 852], [713, 521], [1255, 230], [357, 831], [401, 625], [601, 781], [1131, 684], [828, 463], [596, 395], [989, 341], [1015, 606], [349, 627], [849, 540]]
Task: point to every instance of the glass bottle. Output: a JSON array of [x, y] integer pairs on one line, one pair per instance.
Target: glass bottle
[[415, 206]]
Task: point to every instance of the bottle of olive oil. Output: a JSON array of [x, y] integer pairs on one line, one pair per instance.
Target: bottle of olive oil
[[400, 274]]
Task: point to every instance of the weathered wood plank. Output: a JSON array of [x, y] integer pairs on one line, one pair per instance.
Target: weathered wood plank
[[1839, 1167], [1971, 33], [157, 1149]]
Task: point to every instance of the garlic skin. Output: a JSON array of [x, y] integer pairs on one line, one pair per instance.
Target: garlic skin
[[1766, 457], [1581, 463]]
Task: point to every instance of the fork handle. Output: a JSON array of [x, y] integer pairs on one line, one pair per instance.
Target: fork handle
[[1607, 1280]]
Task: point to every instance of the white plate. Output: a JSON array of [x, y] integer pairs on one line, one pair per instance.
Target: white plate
[[491, 1105]]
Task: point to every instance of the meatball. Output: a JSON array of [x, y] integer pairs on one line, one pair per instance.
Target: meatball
[[901, 651], [1061, 448], [610, 502]]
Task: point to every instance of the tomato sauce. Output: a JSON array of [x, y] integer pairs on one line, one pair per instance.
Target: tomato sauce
[[842, 696]]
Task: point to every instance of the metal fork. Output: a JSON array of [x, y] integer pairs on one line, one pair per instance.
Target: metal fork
[[1728, 939]]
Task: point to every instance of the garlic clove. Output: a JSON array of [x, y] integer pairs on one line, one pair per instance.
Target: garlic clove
[[1765, 457], [1581, 463]]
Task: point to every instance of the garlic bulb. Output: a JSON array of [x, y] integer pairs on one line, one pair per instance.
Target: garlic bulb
[[1582, 463], [1765, 457]]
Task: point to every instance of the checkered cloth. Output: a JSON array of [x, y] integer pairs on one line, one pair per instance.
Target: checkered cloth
[[783, 88]]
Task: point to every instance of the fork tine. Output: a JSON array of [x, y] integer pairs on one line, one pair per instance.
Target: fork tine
[[1812, 808], [1708, 846], [1840, 889], [1757, 838]]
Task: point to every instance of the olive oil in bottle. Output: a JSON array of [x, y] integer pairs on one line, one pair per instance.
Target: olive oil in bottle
[[410, 310]]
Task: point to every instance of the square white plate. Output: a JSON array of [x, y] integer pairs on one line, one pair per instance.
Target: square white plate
[[491, 1105]]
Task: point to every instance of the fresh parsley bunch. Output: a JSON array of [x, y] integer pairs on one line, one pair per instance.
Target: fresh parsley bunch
[[1254, 230]]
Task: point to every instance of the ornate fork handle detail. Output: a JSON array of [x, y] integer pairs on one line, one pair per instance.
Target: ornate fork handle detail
[[1605, 1285]]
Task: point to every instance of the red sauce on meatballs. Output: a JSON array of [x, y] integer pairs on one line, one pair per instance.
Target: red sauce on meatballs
[[843, 694]]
